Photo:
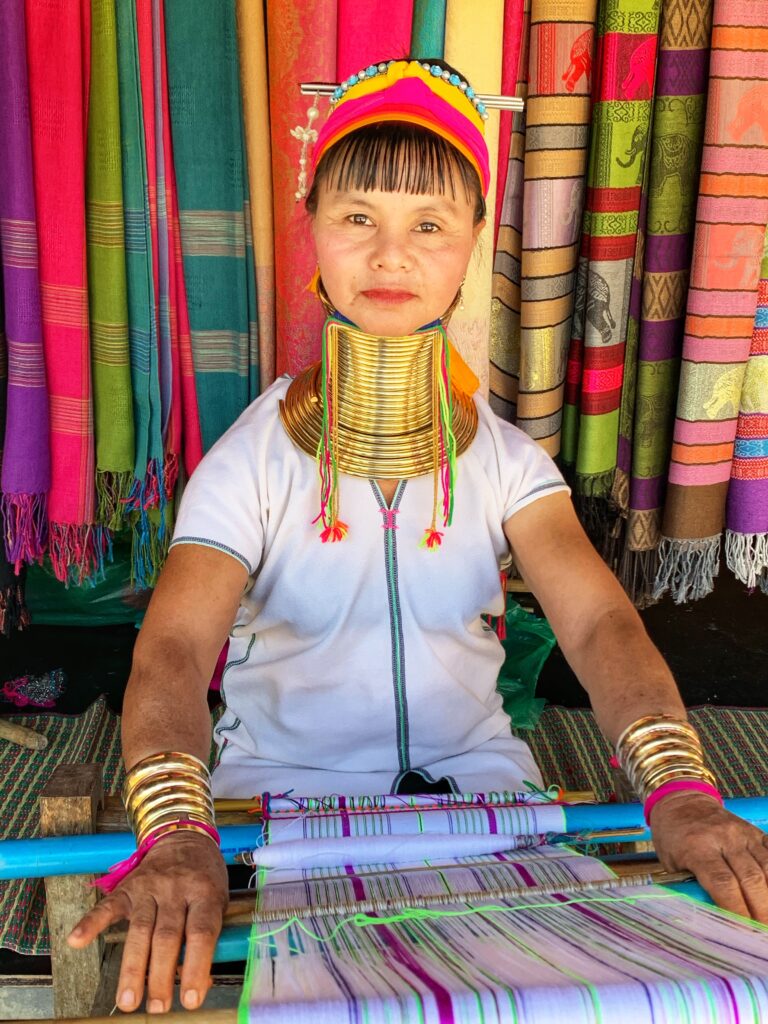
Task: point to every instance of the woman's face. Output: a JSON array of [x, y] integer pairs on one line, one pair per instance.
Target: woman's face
[[392, 261]]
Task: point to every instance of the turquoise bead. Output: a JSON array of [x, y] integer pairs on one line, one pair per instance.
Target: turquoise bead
[[481, 108], [470, 92], [454, 79], [436, 71], [352, 80]]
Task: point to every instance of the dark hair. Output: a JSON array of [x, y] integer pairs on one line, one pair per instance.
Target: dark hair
[[394, 156]]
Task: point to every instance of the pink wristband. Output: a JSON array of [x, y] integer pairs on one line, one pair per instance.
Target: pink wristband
[[123, 868], [678, 786]]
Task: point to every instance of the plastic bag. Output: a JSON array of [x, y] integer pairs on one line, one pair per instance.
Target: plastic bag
[[527, 645]]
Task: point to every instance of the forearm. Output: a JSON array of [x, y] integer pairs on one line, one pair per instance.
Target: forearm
[[165, 706], [624, 673]]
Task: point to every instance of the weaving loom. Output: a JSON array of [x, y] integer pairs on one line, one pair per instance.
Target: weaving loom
[[457, 909]]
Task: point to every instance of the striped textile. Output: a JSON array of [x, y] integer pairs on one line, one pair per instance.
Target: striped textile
[[625, 57], [514, 25], [368, 33], [428, 29], [107, 291], [26, 473], [474, 36], [58, 54], [252, 47], [731, 217], [678, 128], [636, 954], [504, 342], [556, 146], [301, 45], [141, 296], [746, 543], [206, 122]]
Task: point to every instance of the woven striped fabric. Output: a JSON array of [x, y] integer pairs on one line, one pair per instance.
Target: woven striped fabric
[[515, 24], [428, 29], [678, 128], [556, 146], [107, 288], [26, 472], [301, 45], [625, 60], [732, 213], [58, 55], [746, 543], [209, 161], [504, 342], [636, 955]]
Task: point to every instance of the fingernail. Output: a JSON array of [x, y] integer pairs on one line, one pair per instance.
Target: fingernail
[[156, 1006], [126, 999], [190, 998]]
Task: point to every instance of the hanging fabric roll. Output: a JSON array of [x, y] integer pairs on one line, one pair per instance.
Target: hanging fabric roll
[[366, 33], [731, 217], [252, 46], [107, 294], [473, 42], [26, 471], [678, 129], [206, 122], [58, 52], [626, 62], [515, 23], [428, 31], [556, 146], [746, 539], [301, 47], [504, 351]]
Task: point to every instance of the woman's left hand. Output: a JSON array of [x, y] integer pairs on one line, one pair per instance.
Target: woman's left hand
[[728, 856]]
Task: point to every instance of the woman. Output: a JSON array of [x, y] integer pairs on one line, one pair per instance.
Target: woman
[[359, 663]]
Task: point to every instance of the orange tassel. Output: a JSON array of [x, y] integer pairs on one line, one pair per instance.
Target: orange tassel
[[335, 532], [432, 539]]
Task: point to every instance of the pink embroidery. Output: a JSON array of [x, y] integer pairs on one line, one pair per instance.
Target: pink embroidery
[[389, 518], [642, 69]]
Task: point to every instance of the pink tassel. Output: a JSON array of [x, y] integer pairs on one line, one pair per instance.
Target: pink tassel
[[432, 539]]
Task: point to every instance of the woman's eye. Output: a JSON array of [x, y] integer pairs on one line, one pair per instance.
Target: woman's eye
[[427, 227], [358, 218]]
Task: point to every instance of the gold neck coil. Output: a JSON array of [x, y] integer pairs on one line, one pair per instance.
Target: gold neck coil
[[384, 405]]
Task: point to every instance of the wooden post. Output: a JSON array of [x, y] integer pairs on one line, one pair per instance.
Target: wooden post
[[68, 806]]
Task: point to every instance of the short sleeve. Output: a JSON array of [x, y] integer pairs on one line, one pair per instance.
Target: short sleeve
[[223, 504], [525, 471]]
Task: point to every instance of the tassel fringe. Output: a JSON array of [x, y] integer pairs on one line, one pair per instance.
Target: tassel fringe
[[112, 493], [78, 553], [25, 528], [637, 574], [13, 610], [687, 568], [147, 512], [746, 555], [432, 539]]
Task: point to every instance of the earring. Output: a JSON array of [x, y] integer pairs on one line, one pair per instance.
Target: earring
[[461, 298]]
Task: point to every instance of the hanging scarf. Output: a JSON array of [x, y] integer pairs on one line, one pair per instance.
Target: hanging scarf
[[732, 213], [504, 344], [746, 540], [58, 51], [368, 32], [26, 474], [474, 36], [252, 46], [428, 30], [625, 60], [206, 121], [557, 137], [111, 362], [678, 128], [515, 24]]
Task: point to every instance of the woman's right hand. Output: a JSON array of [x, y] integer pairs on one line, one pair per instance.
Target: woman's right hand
[[177, 895]]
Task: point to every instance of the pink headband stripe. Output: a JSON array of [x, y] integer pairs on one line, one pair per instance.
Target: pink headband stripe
[[412, 98]]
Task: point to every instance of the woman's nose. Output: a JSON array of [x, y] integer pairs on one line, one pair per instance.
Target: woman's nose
[[390, 252]]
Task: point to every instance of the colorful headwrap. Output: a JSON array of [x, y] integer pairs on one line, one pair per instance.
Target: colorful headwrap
[[414, 92]]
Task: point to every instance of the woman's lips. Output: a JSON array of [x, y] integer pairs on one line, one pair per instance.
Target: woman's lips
[[388, 295]]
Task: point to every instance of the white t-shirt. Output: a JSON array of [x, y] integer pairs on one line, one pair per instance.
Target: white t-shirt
[[355, 662]]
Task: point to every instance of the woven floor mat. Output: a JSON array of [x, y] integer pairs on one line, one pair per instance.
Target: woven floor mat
[[566, 743]]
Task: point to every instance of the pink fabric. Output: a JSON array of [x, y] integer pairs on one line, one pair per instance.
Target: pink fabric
[[368, 33], [410, 97], [218, 672], [679, 786], [514, 56], [107, 883]]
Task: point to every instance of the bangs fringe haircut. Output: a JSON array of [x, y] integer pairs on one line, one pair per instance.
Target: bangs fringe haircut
[[397, 157]]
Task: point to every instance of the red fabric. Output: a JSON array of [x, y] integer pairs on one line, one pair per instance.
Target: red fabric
[[514, 58], [368, 33]]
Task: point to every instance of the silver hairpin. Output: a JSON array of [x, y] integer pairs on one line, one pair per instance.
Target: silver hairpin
[[514, 103]]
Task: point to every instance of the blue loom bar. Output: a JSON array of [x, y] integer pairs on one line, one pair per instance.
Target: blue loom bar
[[94, 854], [692, 889], [232, 945]]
